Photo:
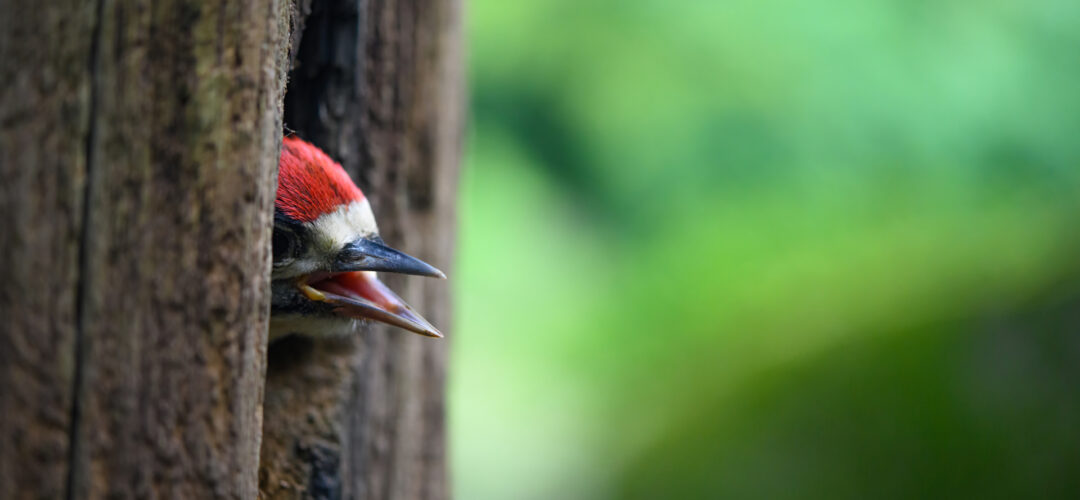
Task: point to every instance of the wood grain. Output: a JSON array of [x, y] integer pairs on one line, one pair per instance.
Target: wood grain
[[139, 148]]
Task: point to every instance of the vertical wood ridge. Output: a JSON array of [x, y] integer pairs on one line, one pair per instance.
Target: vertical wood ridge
[[138, 143], [83, 259]]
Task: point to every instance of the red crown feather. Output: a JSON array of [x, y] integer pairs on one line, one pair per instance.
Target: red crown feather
[[310, 183]]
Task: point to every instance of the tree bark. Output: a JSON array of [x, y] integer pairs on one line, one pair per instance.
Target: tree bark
[[138, 143], [377, 85]]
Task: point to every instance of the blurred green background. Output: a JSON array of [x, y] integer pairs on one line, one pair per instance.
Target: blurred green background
[[769, 249]]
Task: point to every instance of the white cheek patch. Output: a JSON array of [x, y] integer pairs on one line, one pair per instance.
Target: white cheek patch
[[344, 225], [330, 233]]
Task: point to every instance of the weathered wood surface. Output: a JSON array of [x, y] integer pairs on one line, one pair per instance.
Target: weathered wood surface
[[376, 84], [137, 148], [138, 143], [44, 104]]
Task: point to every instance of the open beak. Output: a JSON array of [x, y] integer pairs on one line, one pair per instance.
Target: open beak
[[356, 292]]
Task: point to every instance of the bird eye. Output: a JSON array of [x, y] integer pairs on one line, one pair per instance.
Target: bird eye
[[286, 245]]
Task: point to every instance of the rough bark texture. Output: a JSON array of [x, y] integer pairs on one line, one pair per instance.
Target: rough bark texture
[[43, 125], [138, 143], [377, 85]]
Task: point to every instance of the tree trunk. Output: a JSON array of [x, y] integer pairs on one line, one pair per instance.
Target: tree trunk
[[377, 85], [138, 145]]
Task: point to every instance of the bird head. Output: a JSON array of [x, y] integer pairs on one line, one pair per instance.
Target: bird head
[[327, 251]]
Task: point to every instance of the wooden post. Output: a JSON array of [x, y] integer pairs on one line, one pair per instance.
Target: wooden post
[[138, 143], [378, 85]]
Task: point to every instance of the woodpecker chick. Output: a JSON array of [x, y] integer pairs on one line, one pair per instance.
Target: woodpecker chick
[[326, 253]]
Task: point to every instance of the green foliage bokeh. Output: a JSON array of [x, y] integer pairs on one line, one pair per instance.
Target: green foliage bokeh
[[769, 249]]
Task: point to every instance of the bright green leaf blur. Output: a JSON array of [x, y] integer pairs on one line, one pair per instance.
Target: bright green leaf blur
[[769, 249]]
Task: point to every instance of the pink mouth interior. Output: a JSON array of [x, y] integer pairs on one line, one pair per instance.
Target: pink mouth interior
[[363, 285], [359, 294]]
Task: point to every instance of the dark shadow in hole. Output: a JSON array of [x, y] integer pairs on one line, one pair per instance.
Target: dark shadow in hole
[[287, 353]]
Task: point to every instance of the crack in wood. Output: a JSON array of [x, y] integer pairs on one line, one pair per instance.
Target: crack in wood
[[81, 286]]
